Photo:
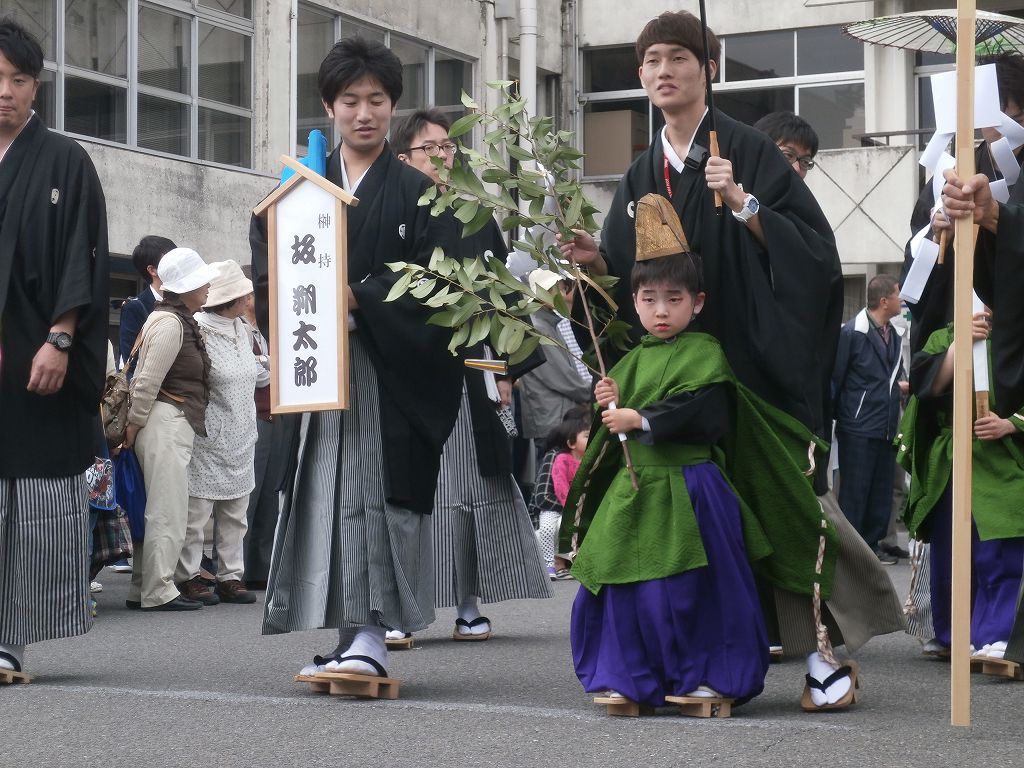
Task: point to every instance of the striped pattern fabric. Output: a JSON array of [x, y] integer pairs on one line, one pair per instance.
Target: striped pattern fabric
[[919, 617], [565, 330], [342, 556], [863, 603], [44, 559], [484, 543]]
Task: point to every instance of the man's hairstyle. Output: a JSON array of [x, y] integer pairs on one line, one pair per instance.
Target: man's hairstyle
[[680, 270], [679, 28], [787, 128], [20, 48], [354, 58], [1009, 75], [879, 287], [148, 253], [403, 135]]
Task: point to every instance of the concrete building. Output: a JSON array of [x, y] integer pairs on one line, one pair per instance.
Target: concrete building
[[185, 106]]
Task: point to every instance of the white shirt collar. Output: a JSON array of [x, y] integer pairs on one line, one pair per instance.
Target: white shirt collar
[[156, 293], [347, 185], [670, 152]]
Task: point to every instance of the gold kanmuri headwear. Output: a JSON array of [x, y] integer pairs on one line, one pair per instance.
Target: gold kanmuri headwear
[[658, 229]]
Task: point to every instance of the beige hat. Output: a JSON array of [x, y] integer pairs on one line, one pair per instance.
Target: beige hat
[[182, 270], [658, 229], [227, 284]]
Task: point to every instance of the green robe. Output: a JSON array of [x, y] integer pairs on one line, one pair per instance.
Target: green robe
[[628, 536], [925, 449]]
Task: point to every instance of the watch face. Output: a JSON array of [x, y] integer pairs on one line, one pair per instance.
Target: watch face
[[753, 205], [61, 341]]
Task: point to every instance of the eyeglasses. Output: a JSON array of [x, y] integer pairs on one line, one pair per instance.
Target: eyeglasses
[[806, 161], [435, 150]]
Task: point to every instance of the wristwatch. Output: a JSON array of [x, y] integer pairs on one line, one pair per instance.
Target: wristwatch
[[61, 340], [749, 209]]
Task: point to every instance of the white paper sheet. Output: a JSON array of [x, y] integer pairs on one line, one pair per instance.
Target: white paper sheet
[[980, 350], [1005, 160], [1012, 131], [986, 99], [1000, 191], [926, 253]]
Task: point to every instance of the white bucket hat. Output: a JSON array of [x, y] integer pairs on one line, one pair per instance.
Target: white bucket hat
[[182, 270], [228, 283]]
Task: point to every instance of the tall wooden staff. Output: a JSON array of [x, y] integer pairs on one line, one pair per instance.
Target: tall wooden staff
[[713, 135], [963, 382]]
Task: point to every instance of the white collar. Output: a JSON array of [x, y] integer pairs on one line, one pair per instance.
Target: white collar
[[3, 152], [156, 293], [670, 152], [347, 185]]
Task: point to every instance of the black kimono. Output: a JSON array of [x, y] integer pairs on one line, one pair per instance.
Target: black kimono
[[419, 380], [53, 258], [775, 310]]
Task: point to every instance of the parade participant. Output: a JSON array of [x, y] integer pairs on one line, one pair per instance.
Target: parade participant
[[54, 311], [997, 531], [794, 136], [221, 472], [775, 296], [672, 559], [933, 311], [353, 546], [170, 392], [484, 545]]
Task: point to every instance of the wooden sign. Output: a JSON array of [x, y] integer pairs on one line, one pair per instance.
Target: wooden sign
[[307, 244]]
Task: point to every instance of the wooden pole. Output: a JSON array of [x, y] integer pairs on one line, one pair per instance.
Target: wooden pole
[[963, 380]]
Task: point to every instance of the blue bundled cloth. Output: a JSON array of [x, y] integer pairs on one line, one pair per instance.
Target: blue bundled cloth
[[130, 491], [315, 159]]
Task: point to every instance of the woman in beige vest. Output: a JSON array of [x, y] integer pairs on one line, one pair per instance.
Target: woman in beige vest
[[169, 397]]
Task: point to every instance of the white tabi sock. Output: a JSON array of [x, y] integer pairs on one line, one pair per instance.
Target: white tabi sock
[[820, 670], [996, 650], [469, 611], [345, 637], [369, 641], [17, 651]]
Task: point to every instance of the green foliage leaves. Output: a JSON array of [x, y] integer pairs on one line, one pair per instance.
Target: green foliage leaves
[[527, 175]]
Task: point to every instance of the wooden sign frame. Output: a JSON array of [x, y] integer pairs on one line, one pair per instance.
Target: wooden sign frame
[[268, 208]]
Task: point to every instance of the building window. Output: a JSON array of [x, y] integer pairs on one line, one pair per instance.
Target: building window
[[160, 75], [431, 77], [816, 72]]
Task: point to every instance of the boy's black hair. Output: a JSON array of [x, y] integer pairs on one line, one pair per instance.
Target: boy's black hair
[[148, 253], [354, 58], [679, 28], [1009, 75], [403, 134], [786, 127], [20, 48], [681, 270], [576, 420]]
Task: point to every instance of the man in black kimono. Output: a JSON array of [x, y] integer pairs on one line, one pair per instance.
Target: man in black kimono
[[53, 324], [774, 297], [353, 547]]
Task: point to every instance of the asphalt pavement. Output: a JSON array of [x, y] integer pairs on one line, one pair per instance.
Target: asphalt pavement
[[205, 689]]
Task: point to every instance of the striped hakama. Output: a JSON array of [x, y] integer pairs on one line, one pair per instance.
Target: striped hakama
[[44, 559], [484, 543], [343, 556], [919, 615]]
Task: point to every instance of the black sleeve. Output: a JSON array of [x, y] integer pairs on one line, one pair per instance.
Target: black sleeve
[[260, 278], [924, 366], [700, 417]]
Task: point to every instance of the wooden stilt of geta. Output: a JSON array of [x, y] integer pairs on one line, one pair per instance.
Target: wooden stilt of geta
[[10, 677], [619, 706], [702, 706], [997, 667], [349, 684], [963, 382]]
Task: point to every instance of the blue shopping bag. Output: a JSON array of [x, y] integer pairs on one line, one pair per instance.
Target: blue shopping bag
[[130, 491]]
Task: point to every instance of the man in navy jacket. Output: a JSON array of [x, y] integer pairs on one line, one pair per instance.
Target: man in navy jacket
[[866, 393], [136, 309]]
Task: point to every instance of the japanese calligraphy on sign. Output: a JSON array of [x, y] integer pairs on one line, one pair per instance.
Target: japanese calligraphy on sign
[[307, 237]]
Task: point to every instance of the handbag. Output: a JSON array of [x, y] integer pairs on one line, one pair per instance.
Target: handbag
[[130, 491], [117, 400]]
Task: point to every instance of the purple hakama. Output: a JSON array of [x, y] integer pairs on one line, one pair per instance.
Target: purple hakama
[[996, 568], [666, 637]]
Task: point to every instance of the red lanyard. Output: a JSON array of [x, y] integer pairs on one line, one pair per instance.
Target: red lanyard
[[668, 181]]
